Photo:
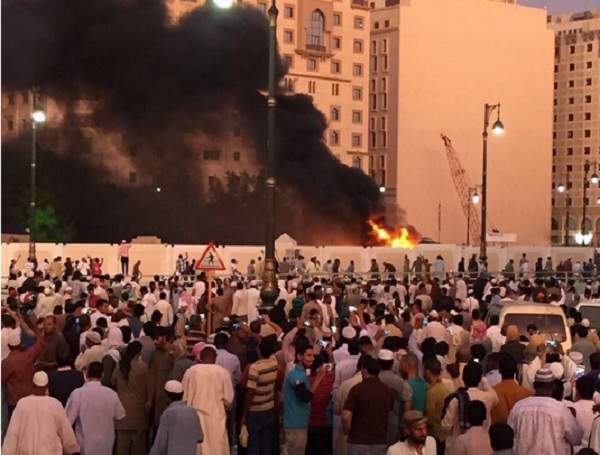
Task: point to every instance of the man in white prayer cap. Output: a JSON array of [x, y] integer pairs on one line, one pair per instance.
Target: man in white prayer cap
[[39, 424]]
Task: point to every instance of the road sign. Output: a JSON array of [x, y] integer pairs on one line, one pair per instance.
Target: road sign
[[210, 260]]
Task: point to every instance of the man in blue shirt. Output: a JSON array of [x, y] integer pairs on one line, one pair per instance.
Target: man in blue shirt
[[297, 394]]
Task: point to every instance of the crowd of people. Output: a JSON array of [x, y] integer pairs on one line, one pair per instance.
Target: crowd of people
[[393, 362]]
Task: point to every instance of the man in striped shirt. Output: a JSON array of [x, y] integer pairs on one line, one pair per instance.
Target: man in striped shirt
[[259, 405]]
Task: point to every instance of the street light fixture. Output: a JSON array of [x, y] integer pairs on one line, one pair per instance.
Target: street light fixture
[[498, 129], [37, 116], [475, 198], [594, 179], [382, 189]]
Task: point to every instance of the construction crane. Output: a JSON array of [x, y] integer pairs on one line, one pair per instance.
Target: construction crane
[[463, 186]]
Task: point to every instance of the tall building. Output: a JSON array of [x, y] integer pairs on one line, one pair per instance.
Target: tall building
[[324, 44], [576, 136], [434, 64]]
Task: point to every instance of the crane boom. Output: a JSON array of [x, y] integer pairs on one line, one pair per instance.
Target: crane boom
[[462, 185]]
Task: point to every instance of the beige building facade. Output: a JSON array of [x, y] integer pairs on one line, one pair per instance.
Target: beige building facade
[[576, 135], [434, 64]]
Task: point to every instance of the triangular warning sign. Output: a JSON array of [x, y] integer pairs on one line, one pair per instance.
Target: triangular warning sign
[[210, 259]]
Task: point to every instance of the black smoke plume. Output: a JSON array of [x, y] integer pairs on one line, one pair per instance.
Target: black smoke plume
[[159, 85]]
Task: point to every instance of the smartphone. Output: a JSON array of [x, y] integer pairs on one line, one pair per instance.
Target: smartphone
[[322, 343], [334, 329], [237, 326], [551, 343], [85, 311], [306, 323], [579, 372], [476, 360], [76, 320], [352, 309]]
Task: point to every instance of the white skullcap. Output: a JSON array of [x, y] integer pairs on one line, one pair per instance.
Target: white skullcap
[[173, 387], [557, 370], [14, 340], [40, 379], [576, 357], [233, 284], [348, 332], [210, 346], [434, 314], [93, 337], [47, 291], [585, 322], [470, 291], [385, 354]]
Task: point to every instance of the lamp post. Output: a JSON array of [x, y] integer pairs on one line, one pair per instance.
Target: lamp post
[[37, 116], [473, 199], [594, 179], [566, 189], [269, 290], [498, 129]]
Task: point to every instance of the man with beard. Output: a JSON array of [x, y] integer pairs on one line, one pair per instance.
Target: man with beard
[[417, 441]]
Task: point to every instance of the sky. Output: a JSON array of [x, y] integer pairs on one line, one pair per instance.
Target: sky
[[562, 6]]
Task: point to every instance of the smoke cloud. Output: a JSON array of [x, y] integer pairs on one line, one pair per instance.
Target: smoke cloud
[[164, 89]]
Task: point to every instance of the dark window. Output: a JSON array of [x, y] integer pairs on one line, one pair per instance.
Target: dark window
[[570, 134], [590, 46], [587, 116], [571, 117], [288, 11], [387, 24], [572, 49], [571, 66], [569, 169], [212, 155], [315, 33], [588, 98], [570, 151], [587, 150], [10, 125], [587, 133], [11, 98], [236, 156]]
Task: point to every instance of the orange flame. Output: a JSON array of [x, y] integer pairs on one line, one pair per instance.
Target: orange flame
[[403, 238]]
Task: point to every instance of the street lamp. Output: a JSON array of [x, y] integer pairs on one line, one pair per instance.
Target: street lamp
[[587, 166], [562, 188], [382, 189], [498, 129], [473, 199], [37, 116]]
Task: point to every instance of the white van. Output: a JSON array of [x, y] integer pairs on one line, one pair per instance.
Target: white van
[[550, 320], [591, 310]]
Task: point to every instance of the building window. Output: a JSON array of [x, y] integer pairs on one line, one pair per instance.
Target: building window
[[335, 114], [587, 133], [356, 117], [590, 46], [25, 97], [372, 123], [211, 155], [553, 134], [571, 49], [336, 42], [11, 99], [334, 137], [382, 161], [236, 156], [337, 19], [570, 151], [570, 117], [588, 98], [335, 89], [373, 47], [373, 101], [371, 162], [571, 100], [386, 24], [587, 150], [10, 125], [288, 60], [359, 22], [588, 65], [385, 62], [358, 46], [373, 141], [288, 11], [572, 67], [315, 33], [357, 162], [311, 64], [384, 100], [588, 81], [587, 116], [383, 84], [336, 67], [553, 152], [356, 140], [373, 85], [556, 68], [312, 87], [374, 63], [376, 25], [288, 36], [570, 134], [383, 139], [357, 93], [571, 84], [555, 85], [357, 69], [569, 168], [382, 123], [289, 84]]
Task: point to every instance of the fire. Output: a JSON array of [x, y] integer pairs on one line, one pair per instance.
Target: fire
[[403, 238]]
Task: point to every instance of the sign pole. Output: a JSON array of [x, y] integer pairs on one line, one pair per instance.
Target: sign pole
[[209, 315]]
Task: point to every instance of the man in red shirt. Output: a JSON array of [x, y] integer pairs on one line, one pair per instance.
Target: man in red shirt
[[19, 367]]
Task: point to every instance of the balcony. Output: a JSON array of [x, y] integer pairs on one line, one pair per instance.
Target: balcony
[[315, 47], [361, 4]]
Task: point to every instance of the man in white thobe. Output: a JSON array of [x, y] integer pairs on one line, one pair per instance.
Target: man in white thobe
[[93, 410], [207, 388], [253, 301], [39, 424]]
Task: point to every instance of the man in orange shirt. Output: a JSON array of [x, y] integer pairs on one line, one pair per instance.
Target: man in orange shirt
[[509, 392]]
